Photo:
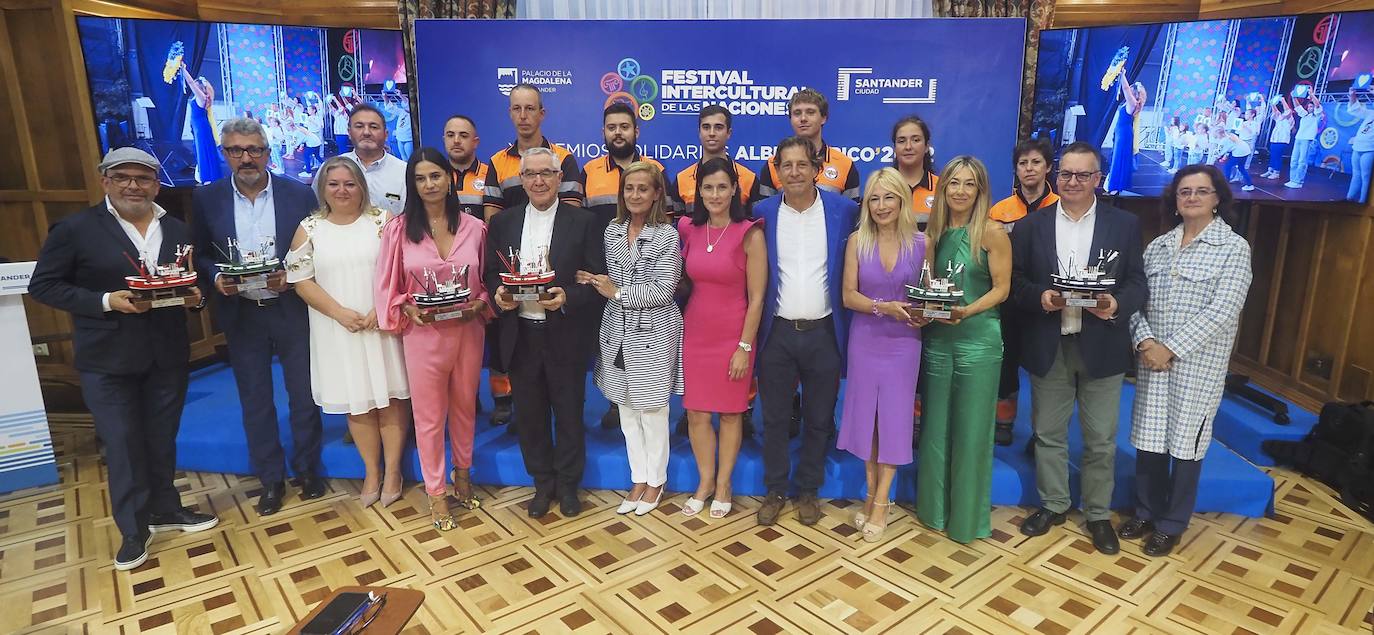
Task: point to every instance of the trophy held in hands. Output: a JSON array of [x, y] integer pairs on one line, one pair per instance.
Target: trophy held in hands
[[935, 298]]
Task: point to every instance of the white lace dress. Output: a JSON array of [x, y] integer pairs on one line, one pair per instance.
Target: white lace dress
[[350, 373]]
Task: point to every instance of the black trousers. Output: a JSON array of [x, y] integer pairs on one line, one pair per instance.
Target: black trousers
[[812, 358], [258, 334], [1010, 381], [137, 417], [1165, 490], [554, 449]]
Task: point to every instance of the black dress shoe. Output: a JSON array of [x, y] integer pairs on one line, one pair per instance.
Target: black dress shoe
[[539, 505], [270, 501], [1038, 523], [133, 552], [1135, 528], [569, 505], [1104, 537], [312, 487], [501, 411], [181, 520], [611, 420], [1160, 544]]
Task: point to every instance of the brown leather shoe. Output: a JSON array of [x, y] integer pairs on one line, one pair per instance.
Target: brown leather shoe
[[771, 508], [808, 508]]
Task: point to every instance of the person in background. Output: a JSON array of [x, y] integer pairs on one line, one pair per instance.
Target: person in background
[[1280, 137], [808, 111], [1309, 114], [1235, 153], [640, 359], [1361, 150], [386, 174], [1198, 276], [1133, 98], [1248, 130], [1031, 161], [1198, 142], [882, 257], [1179, 150], [443, 358], [355, 370], [726, 262], [915, 160]]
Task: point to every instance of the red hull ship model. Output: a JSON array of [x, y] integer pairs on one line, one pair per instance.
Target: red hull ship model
[[165, 285], [524, 273]]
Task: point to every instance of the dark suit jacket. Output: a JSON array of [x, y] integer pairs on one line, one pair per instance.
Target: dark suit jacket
[[213, 224], [1106, 344], [84, 258], [576, 244]]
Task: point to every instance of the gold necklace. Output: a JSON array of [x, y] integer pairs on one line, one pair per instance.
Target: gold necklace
[[711, 245]]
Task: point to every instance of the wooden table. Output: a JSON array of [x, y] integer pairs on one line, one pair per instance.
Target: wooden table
[[401, 604]]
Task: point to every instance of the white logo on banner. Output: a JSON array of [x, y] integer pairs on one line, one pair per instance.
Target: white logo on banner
[[842, 84], [547, 80], [506, 79], [848, 85]]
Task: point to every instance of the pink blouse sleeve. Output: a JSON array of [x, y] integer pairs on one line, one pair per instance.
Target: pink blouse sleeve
[[476, 238], [393, 283]]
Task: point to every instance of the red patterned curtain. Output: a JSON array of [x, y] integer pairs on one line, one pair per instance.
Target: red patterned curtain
[[1039, 14], [467, 9]]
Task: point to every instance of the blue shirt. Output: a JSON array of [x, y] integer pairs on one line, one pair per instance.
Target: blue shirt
[[255, 221]]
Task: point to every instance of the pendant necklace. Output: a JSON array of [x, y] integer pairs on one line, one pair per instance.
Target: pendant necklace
[[711, 246]]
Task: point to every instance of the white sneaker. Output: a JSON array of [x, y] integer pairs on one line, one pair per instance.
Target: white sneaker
[[1292, 185], [1247, 188]]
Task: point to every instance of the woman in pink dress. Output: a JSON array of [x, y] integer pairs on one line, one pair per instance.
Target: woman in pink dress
[[724, 257], [443, 356]]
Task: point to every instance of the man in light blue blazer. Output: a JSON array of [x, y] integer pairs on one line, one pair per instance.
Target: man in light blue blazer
[[804, 327], [255, 207]]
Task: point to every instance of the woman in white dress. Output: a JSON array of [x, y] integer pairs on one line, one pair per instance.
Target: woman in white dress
[[355, 369]]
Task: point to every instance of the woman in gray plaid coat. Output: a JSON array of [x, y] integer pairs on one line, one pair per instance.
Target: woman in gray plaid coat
[[1198, 275]]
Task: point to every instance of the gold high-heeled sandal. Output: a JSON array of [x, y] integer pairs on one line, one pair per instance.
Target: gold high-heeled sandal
[[439, 514], [470, 502], [874, 533]]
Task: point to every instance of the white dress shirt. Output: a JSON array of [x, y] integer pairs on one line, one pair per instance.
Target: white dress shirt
[[1073, 239], [149, 245], [255, 221], [535, 237], [386, 181], [803, 288]]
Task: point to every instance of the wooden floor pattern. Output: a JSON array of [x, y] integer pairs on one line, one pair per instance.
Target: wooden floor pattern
[[1307, 569]]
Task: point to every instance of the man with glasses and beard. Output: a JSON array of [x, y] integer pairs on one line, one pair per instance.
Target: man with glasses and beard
[[259, 209], [1076, 355], [132, 361], [601, 183]]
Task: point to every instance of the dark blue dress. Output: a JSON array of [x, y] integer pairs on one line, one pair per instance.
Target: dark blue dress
[[207, 149], [1123, 151]]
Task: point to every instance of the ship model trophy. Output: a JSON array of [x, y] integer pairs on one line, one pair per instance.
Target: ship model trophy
[[935, 298], [248, 270], [525, 280], [443, 301], [1080, 286], [166, 285]]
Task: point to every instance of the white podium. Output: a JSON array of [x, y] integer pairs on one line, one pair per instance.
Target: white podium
[[26, 458]]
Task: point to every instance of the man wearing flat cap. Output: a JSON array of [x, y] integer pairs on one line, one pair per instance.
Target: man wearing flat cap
[[132, 361]]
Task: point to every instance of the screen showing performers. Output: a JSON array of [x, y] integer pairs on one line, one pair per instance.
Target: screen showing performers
[[1283, 106], [166, 86]]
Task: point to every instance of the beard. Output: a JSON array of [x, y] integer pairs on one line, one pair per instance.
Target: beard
[[621, 152], [247, 177]]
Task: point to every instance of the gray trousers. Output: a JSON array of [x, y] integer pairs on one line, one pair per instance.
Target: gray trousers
[[1099, 403]]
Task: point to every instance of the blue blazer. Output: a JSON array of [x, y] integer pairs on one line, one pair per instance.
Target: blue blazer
[[840, 216], [212, 223]]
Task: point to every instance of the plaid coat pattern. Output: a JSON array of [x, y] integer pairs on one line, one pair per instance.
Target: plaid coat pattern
[[1196, 295]]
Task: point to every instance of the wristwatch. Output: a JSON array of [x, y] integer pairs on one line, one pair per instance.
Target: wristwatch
[[618, 295], [744, 346]]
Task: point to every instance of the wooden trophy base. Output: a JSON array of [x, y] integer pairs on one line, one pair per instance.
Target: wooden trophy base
[[239, 284], [460, 312], [523, 294], [145, 299], [1080, 299], [930, 310]]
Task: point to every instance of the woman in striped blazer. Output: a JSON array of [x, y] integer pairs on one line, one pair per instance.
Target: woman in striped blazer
[[640, 360]]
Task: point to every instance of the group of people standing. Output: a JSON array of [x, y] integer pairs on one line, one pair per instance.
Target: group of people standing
[[781, 276]]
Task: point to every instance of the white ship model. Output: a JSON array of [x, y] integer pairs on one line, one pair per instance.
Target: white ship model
[[239, 263], [175, 275], [941, 290], [1088, 278], [520, 272], [442, 294]]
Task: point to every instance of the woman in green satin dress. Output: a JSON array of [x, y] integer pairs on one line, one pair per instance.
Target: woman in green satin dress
[[962, 357]]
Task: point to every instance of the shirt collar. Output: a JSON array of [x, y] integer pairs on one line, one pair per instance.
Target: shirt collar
[[368, 167], [267, 191], [924, 183], [814, 205], [471, 169], [1214, 233], [514, 149], [612, 165], [543, 213], [1031, 206], [1059, 208], [158, 212]]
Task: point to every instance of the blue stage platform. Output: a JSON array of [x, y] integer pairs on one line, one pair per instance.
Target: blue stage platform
[[1243, 426], [212, 440]]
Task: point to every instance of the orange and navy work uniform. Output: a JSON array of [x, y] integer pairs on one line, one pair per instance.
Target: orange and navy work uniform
[[837, 175], [1015, 207], [601, 181], [923, 198], [476, 189], [685, 194], [507, 164]]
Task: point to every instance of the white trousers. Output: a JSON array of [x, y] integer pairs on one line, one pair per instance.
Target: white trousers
[[646, 443]]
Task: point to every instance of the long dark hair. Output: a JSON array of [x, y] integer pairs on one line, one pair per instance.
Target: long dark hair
[[1224, 196], [699, 214], [417, 220], [925, 131]]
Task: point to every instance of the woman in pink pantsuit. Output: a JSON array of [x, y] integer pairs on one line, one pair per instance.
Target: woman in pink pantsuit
[[443, 358]]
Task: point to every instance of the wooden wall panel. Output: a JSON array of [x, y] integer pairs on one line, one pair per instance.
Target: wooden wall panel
[[1072, 13]]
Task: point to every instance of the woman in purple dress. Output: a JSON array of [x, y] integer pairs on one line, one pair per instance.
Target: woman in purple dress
[[883, 256]]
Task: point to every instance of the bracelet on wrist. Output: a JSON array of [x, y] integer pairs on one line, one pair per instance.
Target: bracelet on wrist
[[876, 301]]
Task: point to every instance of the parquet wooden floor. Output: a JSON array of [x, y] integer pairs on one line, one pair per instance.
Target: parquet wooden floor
[[1307, 569]]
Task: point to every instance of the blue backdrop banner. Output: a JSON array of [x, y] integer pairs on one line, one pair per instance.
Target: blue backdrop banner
[[963, 76]]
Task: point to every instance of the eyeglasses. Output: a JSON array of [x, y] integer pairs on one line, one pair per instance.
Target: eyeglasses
[[1200, 192], [125, 180], [236, 152], [538, 175], [1080, 177]]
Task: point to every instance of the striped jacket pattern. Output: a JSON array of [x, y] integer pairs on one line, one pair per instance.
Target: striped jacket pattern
[[643, 329]]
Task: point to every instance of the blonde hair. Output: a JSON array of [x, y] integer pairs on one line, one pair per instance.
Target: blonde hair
[[885, 180], [658, 214], [321, 179], [940, 215]]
